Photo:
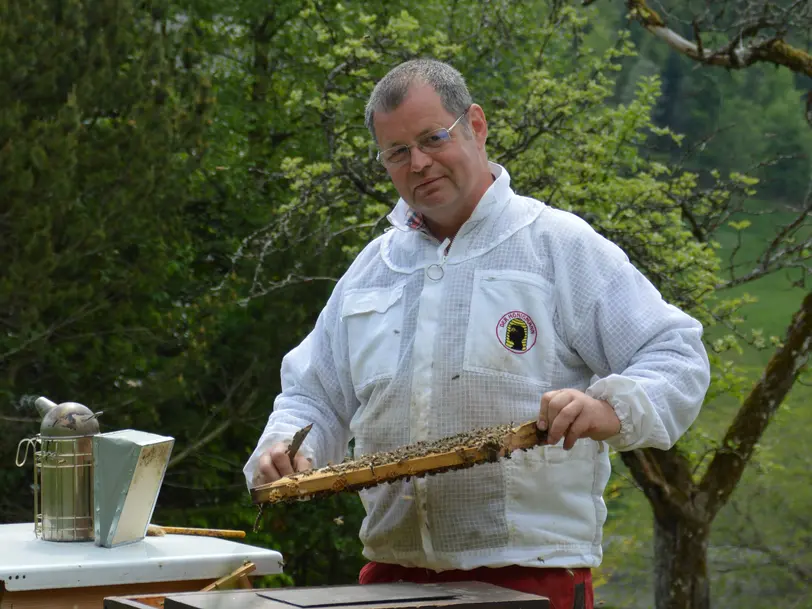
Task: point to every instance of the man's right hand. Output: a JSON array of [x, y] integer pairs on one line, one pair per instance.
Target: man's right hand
[[275, 464]]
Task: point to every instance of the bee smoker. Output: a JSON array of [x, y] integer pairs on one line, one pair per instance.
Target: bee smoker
[[63, 470]]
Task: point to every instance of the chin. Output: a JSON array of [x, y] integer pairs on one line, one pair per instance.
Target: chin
[[428, 206], [435, 199]]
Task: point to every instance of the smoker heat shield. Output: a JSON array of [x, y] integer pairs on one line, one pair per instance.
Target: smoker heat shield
[[129, 468]]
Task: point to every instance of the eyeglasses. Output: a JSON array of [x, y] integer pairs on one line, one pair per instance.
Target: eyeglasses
[[428, 143]]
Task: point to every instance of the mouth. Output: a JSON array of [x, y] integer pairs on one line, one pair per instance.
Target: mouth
[[427, 183]]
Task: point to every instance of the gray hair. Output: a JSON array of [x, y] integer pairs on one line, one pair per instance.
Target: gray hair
[[391, 90]]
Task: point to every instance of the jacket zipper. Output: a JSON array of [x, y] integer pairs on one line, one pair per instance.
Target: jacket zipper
[[436, 271]]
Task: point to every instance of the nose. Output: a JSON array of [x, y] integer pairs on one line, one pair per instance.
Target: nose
[[419, 160]]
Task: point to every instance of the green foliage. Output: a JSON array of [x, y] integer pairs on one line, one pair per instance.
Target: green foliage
[[311, 193], [181, 186], [98, 131]]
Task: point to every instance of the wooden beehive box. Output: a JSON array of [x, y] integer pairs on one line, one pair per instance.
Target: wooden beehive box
[[402, 595]]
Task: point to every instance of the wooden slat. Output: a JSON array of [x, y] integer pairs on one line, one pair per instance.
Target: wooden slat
[[237, 578], [156, 530], [93, 597], [355, 477]]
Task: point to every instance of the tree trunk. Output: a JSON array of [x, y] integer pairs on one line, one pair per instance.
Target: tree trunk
[[680, 563], [683, 509]]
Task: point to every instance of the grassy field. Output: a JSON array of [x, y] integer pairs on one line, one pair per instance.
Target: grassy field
[[761, 544]]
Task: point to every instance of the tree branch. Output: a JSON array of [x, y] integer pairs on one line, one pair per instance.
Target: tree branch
[[84, 311], [18, 419], [201, 442], [778, 555], [727, 466], [735, 55], [774, 257], [235, 414], [781, 260], [665, 477]]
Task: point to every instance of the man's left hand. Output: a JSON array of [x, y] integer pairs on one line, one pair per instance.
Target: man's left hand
[[571, 414]]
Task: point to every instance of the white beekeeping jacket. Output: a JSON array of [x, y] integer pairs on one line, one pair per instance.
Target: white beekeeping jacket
[[526, 299]]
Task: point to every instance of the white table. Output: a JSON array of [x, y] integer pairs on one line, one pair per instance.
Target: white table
[[78, 575]]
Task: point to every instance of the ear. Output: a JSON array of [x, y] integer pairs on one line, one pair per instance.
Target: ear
[[479, 126]]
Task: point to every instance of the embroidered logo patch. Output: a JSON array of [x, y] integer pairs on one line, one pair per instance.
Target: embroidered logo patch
[[517, 332]]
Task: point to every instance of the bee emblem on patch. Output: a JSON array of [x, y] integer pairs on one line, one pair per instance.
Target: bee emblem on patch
[[517, 332]]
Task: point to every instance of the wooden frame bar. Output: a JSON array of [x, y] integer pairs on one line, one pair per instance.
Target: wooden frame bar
[[350, 477]]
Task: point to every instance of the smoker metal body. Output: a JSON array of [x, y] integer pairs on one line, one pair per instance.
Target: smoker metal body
[[66, 480], [63, 470]]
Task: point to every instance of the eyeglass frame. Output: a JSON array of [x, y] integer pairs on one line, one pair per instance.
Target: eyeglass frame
[[379, 156]]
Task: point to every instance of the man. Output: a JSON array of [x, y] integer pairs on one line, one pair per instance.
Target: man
[[481, 308]]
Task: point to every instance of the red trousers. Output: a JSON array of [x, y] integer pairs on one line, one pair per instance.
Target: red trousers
[[566, 588]]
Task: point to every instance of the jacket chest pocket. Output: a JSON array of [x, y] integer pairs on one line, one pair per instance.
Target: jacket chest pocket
[[510, 329], [373, 319]]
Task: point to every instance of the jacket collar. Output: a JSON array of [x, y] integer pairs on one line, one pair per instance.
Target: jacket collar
[[404, 218], [498, 215]]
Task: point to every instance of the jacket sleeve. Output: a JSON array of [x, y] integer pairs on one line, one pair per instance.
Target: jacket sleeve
[[316, 388], [647, 355]]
